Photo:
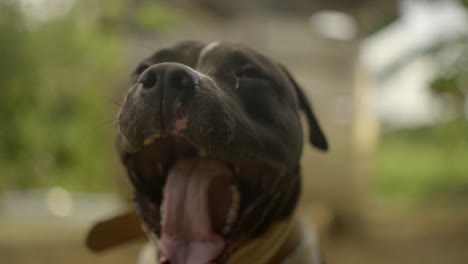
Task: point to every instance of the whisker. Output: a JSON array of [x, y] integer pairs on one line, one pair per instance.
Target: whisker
[[112, 122], [209, 70], [114, 102]]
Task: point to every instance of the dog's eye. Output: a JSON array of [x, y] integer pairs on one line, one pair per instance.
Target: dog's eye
[[141, 68], [250, 73]]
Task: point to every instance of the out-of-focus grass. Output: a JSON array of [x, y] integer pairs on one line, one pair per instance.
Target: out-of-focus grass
[[424, 166]]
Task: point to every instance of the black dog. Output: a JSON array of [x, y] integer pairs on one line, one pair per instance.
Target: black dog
[[211, 139]]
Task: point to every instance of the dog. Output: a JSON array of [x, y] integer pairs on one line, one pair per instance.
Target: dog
[[211, 139]]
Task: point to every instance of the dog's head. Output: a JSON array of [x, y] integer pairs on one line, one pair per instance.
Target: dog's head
[[211, 139]]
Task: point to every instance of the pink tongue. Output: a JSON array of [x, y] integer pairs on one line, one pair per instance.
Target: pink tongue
[[194, 192]]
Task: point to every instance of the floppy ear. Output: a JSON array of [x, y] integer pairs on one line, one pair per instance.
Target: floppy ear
[[316, 136], [114, 231]]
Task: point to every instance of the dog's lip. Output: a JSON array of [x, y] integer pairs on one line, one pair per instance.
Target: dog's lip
[[229, 157], [152, 138]]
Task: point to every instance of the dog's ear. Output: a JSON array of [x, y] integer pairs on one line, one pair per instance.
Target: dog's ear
[[114, 231], [316, 136]]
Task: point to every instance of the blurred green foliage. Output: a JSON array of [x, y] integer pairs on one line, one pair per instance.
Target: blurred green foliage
[[55, 77], [430, 165], [425, 166], [150, 16]]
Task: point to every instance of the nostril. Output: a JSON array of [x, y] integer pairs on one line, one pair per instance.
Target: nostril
[[185, 82], [149, 80], [182, 80]]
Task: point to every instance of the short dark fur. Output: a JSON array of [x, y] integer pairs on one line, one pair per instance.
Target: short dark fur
[[246, 109]]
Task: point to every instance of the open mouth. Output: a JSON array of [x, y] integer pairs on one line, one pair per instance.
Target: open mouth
[[199, 205]]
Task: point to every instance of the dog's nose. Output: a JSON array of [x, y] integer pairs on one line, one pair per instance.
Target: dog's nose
[[172, 77], [149, 79], [182, 79]]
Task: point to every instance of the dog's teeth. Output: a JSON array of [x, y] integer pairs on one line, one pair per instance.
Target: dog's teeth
[[233, 211], [149, 140], [162, 212], [226, 230], [235, 196], [231, 215]]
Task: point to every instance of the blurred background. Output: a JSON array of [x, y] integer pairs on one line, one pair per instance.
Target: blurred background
[[388, 81]]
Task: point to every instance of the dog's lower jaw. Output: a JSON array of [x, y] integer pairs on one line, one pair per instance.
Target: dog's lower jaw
[[273, 247], [286, 242]]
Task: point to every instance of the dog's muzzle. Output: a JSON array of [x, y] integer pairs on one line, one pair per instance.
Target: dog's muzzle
[[211, 143]]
